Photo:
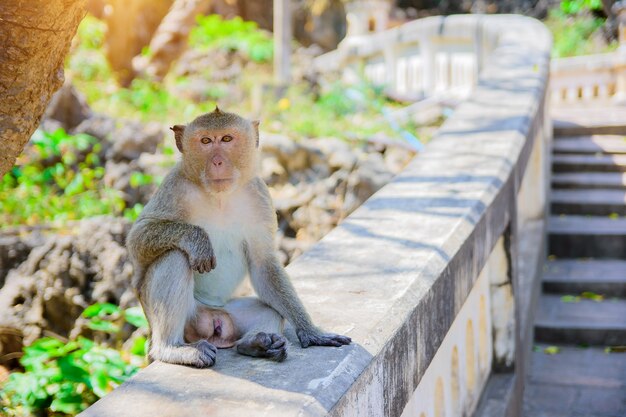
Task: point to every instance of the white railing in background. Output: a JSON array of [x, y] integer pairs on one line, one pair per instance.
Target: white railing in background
[[586, 78], [415, 60]]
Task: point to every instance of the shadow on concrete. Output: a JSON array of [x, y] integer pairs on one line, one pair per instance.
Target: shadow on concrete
[[316, 377]]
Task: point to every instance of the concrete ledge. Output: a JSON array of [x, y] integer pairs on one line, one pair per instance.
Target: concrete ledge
[[394, 274]]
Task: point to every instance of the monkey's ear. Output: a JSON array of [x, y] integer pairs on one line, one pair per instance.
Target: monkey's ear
[[255, 125], [179, 130]]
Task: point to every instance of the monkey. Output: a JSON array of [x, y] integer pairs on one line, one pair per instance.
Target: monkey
[[210, 225], [222, 327]]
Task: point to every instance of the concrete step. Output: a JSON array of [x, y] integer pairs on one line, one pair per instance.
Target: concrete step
[[575, 382], [596, 202], [596, 163], [590, 144], [569, 276], [583, 322], [586, 237], [606, 180], [583, 119]]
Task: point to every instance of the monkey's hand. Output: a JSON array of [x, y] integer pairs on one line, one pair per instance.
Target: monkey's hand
[[317, 338], [199, 250]]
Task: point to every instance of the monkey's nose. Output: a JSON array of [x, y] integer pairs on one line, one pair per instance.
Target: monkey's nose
[[218, 161]]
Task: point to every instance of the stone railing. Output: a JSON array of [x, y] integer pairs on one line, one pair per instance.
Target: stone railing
[[432, 277], [592, 77]]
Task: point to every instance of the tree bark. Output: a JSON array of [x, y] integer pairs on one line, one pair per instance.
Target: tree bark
[[130, 26], [35, 36], [170, 39]]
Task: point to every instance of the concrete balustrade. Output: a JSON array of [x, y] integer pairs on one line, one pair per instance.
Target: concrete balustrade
[[433, 277], [585, 78]]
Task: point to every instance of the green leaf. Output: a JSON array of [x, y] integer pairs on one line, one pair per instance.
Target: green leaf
[[136, 317], [68, 403], [570, 299], [615, 349], [71, 370], [103, 326], [592, 296], [100, 309], [100, 383], [139, 346], [551, 350]]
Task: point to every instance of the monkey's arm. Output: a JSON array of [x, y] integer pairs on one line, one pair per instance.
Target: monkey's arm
[[273, 286], [150, 238]]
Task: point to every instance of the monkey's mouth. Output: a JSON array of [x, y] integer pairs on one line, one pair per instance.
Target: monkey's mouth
[[220, 181], [217, 327]]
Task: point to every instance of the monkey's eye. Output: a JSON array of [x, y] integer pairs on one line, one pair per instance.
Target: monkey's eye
[[205, 140], [227, 138]]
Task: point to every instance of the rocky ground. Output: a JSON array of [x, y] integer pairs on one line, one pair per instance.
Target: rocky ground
[[49, 275]]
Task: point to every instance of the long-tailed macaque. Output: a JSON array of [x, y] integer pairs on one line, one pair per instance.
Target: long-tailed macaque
[[210, 224]]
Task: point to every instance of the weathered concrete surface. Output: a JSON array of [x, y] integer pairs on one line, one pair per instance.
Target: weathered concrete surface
[[595, 202], [587, 237], [395, 273], [590, 144], [583, 119], [574, 276], [606, 180], [576, 382], [585, 321]]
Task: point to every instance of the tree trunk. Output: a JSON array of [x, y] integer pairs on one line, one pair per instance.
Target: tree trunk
[[35, 36], [130, 26], [170, 39]]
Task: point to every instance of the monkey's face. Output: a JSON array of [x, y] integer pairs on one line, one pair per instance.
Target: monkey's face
[[214, 325], [225, 157], [219, 150]]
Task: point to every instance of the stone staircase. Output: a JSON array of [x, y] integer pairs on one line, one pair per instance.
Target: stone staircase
[[582, 308]]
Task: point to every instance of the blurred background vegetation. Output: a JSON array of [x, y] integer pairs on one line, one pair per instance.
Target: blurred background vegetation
[[65, 173]]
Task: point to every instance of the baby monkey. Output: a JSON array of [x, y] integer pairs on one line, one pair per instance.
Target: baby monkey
[[210, 225], [224, 327]]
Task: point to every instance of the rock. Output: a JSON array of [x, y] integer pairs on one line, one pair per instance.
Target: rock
[[272, 171], [122, 140], [68, 107], [290, 154], [132, 139], [338, 153], [98, 126], [396, 158], [14, 249], [370, 175], [67, 273]]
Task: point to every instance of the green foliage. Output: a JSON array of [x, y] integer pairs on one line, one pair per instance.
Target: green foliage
[[573, 7], [347, 113], [146, 97], [551, 350], [233, 35], [87, 60], [592, 296], [57, 179], [573, 33], [570, 298], [64, 378]]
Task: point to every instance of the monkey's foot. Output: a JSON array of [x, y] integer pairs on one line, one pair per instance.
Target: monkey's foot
[[200, 354], [311, 338], [264, 345]]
